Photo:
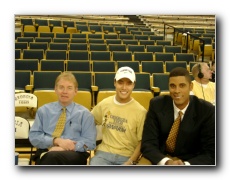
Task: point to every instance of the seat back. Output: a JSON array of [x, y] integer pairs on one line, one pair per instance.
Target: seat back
[[161, 80], [133, 64], [107, 28], [163, 42], [126, 36], [29, 28], [61, 40], [33, 54], [22, 128], [141, 37], [18, 53], [52, 65], [103, 66], [58, 29], [122, 56], [78, 40], [152, 66], [27, 64], [188, 57], [21, 45], [82, 27], [136, 48], [105, 84], [164, 56], [62, 35], [94, 36], [142, 90], [25, 39], [47, 34], [43, 39], [31, 34], [113, 41], [120, 29], [56, 54], [22, 78], [39, 45], [78, 35], [147, 42], [100, 55], [110, 36], [154, 48], [117, 47], [55, 22], [155, 37], [26, 100], [173, 49], [41, 22], [84, 94], [143, 56], [78, 65], [78, 46], [44, 29], [169, 65], [130, 42], [68, 23], [45, 80], [78, 55], [58, 46], [97, 47]]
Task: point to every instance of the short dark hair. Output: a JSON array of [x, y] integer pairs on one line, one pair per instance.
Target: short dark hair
[[180, 71]]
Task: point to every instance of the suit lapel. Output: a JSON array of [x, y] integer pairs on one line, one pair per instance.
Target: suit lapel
[[186, 125]]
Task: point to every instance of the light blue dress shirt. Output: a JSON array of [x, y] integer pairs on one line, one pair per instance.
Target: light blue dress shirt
[[79, 126]]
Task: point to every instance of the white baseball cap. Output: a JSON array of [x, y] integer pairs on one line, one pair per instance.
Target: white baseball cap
[[125, 72]]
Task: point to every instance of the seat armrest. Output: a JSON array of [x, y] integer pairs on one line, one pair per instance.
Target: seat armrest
[[29, 87], [94, 88], [155, 89]]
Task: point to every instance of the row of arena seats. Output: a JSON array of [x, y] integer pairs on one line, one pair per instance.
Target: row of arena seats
[[143, 35], [93, 87], [74, 27], [109, 56], [100, 66], [192, 23], [109, 45], [194, 45], [103, 38]]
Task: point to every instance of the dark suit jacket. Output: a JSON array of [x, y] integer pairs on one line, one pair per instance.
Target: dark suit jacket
[[196, 136]]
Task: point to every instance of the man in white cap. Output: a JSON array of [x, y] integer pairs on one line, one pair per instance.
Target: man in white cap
[[122, 119]]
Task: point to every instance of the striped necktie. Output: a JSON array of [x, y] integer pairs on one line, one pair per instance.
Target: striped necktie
[[171, 141], [60, 124]]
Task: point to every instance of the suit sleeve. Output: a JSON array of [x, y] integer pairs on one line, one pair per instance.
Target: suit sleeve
[[150, 139]]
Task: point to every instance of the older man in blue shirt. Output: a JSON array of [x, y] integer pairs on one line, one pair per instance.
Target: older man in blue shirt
[[78, 136]]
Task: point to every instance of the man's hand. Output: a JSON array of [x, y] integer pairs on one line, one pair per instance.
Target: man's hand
[[66, 144], [174, 162]]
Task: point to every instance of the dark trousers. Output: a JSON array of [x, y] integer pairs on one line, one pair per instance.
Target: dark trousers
[[61, 158]]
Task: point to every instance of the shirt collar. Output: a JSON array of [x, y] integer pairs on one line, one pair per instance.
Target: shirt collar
[[176, 110], [68, 108]]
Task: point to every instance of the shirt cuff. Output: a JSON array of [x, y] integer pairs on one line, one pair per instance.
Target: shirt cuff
[[163, 161], [187, 163]]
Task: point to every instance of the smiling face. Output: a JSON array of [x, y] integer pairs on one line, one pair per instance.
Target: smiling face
[[179, 88], [124, 88], [65, 91]]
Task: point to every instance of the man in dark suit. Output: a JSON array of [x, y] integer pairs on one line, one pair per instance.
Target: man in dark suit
[[195, 142]]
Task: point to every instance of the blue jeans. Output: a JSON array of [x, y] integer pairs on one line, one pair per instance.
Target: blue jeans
[[105, 158]]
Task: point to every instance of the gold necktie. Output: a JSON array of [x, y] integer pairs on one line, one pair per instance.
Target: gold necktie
[[171, 141], [60, 124]]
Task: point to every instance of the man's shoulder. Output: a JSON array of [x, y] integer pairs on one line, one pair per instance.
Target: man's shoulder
[[200, 102], [161, 98]]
